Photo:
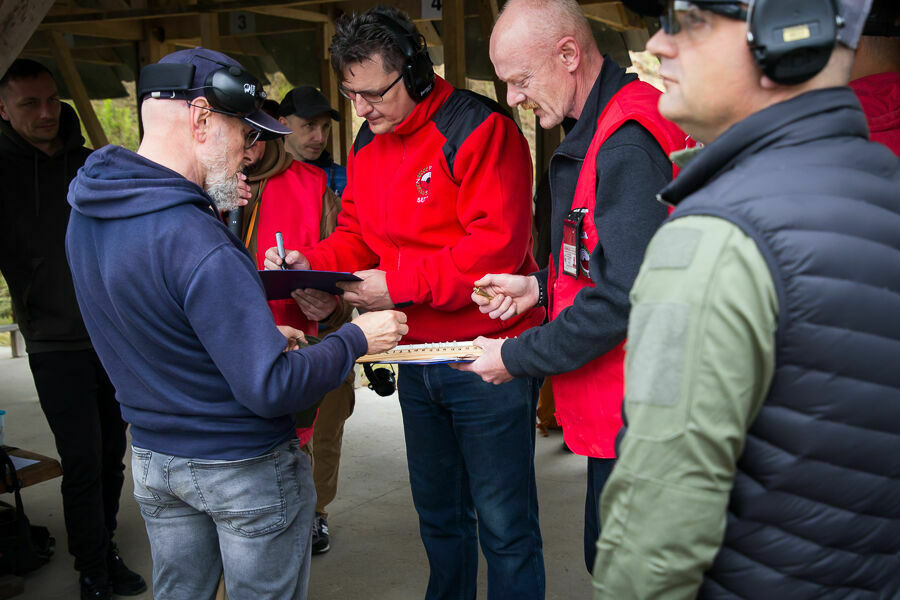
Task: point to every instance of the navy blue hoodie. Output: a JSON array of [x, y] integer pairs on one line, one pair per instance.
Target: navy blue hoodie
[[177, 313]]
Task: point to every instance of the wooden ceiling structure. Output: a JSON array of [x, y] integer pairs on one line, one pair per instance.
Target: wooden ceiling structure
[[93, 45]]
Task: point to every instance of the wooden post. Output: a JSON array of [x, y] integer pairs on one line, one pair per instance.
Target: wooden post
[[76, 87], [328, 82], [454, 34], [149, 50], [488, 16], [545, 141], [209, 31], [345, 107], [18, 21]]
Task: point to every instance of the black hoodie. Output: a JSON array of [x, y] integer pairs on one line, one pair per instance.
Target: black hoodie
[[34, 214]]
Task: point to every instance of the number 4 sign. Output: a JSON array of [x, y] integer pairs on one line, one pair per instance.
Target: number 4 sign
[[431, 9]]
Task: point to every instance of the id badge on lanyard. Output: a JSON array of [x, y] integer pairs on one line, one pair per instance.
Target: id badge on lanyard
[[571, 241]]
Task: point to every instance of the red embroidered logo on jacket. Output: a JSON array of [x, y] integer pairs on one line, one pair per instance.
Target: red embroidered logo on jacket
[[423, 183]]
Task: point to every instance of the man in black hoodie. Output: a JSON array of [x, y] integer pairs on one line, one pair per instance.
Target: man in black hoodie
[[40, 151]]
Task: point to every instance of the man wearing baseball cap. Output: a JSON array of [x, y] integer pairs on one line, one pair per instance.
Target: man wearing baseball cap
[[178, 316], [759, 456], [308, 114]]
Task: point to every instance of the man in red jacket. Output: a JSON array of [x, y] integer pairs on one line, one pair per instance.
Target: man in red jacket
[[876, 73], [438, 192]]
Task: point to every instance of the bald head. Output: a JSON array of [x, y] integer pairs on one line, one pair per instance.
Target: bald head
[[545, 51], [543, 23]]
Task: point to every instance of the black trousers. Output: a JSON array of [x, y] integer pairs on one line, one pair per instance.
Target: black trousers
[[80, 405], [598, 472]]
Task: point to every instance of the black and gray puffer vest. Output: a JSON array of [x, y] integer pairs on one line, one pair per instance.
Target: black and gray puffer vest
[[815, 509]]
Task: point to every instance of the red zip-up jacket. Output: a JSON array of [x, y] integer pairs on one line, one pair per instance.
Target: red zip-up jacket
[[436, 204]]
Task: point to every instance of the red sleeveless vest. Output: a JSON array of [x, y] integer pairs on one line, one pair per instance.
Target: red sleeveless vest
[[291, 203], [589, 399]]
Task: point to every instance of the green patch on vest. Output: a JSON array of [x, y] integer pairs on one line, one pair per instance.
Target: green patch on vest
[[674, 248]]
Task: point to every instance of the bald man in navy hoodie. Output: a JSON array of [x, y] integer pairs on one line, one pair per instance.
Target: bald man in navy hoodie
[[178, 316]]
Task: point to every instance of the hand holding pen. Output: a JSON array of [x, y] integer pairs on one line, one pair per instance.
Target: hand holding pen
[[277, 257]]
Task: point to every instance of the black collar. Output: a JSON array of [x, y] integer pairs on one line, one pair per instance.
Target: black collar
[[811, 116]]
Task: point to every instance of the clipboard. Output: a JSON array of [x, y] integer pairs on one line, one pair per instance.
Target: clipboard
[[280, 284], [426, 354]]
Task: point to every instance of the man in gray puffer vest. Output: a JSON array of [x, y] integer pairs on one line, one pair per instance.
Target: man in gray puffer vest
[[761, 456]]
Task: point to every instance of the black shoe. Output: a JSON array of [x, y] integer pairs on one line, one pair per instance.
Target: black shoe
[[125, 582], [320, 542], [95, 588]]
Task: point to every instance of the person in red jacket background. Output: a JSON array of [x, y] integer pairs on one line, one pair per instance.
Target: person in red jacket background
[[876, 73], [293, 197], [438, 192]]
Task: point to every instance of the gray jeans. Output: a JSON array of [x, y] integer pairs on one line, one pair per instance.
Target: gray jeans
[[251, 517]]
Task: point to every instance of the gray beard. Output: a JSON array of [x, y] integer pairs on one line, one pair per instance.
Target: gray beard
[[223, 189], [221, 185]]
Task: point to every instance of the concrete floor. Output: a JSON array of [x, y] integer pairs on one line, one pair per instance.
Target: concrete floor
[[375, 548]]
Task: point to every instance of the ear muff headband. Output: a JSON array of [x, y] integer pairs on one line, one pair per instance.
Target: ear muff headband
[[792, 40], [230, 90], [234, 90], [418, 70], [381, 380]]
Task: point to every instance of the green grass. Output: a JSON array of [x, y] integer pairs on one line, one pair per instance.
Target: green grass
[[5, 310]]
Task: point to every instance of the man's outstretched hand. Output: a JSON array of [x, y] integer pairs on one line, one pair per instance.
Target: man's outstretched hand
[[382, 328], [505, 296]]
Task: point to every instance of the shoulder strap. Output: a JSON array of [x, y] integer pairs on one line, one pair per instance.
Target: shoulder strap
[[10, 476]]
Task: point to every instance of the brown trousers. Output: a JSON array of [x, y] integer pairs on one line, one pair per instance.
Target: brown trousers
[[325, 446]]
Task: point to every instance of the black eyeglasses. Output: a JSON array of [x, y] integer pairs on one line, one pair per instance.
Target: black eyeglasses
[[370, 97], [251, 138], [681, 14]]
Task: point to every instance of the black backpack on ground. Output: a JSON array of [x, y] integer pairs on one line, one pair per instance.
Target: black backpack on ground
[[23, 547]]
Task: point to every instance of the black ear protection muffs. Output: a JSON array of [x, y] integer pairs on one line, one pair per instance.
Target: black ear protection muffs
[[418, 70], [230, 89], [381, 380], [792, 40]]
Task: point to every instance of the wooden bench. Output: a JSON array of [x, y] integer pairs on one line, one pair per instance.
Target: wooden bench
[[46, 468], [15, 338]]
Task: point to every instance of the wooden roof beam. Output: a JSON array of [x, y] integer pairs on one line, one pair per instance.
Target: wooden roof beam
[[287, 12], [614, 15], [428, 31], [131, 31], [105, 57], [162, 12], [18, 21], [76, 87]]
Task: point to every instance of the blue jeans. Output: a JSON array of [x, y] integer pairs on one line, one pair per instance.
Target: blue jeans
[[470, 449], [252, 517]]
